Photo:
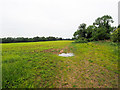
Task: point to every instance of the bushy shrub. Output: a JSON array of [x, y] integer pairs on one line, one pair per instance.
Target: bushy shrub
[[100, 34], [113, 44], [115, 37], [81, 40]]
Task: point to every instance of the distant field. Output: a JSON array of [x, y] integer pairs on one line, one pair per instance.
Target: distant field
[[37, 65]]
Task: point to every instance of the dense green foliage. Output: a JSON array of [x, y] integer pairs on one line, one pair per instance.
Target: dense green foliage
[[82, 40], [37, 65], [100, 30], [34, 39], [116, 35], [118, 26]]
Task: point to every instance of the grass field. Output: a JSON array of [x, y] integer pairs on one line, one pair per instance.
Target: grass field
[[37, 65]]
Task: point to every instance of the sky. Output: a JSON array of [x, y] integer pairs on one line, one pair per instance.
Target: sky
[[58, 18], [119, 13]]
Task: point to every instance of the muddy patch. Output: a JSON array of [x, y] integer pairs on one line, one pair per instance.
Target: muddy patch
[[55, 51]]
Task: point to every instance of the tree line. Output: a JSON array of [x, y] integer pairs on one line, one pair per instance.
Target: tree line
[[34, 39], [100, 30]]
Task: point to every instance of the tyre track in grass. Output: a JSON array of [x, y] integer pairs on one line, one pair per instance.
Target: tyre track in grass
[[85, 76], [83, 73]]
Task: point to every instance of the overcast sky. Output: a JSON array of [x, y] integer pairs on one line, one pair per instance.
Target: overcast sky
[[59, 18]]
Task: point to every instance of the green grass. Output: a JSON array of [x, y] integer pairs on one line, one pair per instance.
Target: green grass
[[37, 65]]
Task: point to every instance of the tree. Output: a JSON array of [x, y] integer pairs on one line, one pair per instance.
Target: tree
[[100, 30], [104, 21], [50, 38], [7, 40], [90, 30], [81, 32], [119, 26], [100, 34], [36, 39]]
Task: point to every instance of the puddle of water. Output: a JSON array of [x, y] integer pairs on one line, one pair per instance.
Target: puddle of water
[[66, 54]]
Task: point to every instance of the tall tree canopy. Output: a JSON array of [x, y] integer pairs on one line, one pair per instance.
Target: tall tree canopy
[[104, 21], [100, 30], [81, 31]]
